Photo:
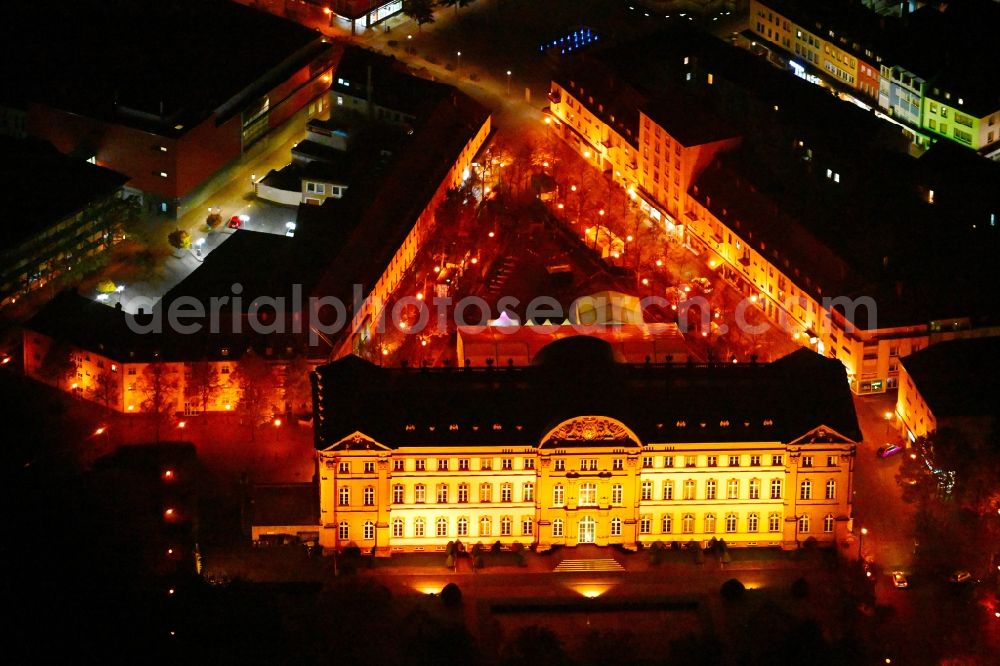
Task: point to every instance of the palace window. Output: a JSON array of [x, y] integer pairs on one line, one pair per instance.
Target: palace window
[[485, 463], [528, 492], [485, 526], [647, 462], [398, 465], [560, 465], [616, 493], [777, 460], [419, 493], [369, 530], [557, 527], [441, 527], [369, 467], [345, 496], [730, 522], [667, 523], [687, 523], [645, 525], [369, 496], [419, 527], [668, 490], [618, 464], [647, 490], [344, 468], [558, 495], [463, 493], [506, 463], [733, 489], [775, 488], [442, 464], [774, 522], [807, 461], [506, 492], [755, 461], [805, 490], [754, 489], [529, 463], [442, 493], [463, 464], [713, 461], [344, 531], [831, 461], [616, 527], [463, 526], [398, 493], [588, 464], [710, 489], [828, 523], [668, 461], [485, 492], [588, 494], [831, 489], [397, 527], [753, 521], [803, 523], [420, 464], [710, 523], [689, 489], [734, 461]]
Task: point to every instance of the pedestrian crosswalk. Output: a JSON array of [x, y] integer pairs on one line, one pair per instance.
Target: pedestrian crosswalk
[[606, 564]]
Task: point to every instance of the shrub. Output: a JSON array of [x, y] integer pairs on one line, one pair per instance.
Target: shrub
[[732, 590], [451, 595], [179, 239], [496, 547], [214, 220]]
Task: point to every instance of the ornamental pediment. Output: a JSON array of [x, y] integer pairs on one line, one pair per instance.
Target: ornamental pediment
[[356, 441], [590, 430]]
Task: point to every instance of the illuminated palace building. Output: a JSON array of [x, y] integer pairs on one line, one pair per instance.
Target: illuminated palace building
[[579, 448]]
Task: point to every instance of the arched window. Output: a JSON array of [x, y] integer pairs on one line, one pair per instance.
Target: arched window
[[668, 490], [616, 527], [369, 496], [730, 522], [463, 526], [528, 492], [441, 527], [687, 523], [774, 522], [419, 527], [442, 493], [710, 489], [344, 531], [506, 492], [806, 489], [558, 495], [369, 530], [733, 489], [775, 488], [831, 489], [557, 527], [463, 493], [710, 523], [754, 489], [505, 526], [419, 493], [828, 523], [485, 492], [689, 489], [804, 523], [397, 527], [753, 522], [667, 523], [398, 493], [485, 526]]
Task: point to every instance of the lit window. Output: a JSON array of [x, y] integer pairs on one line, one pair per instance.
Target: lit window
[[345, 496], [528, 492], [463, 527], [803, 523], [344, 531], [557, 527], [831, 489], [419, 527], [506, 492], [398, 493], [485, 492], [463, 493], [733, 489], [710, 523], [730, 522], [647, 490], [441, 527], [775, 488], [419, 493], [805, 490], [710, 489], [588, 494], [645, 525], [667, 523], [774, 522], [485, 526], [687, 523], [668, 490], [527, 526], [369, 496], [828, 523], [369, 530], [753, 522], [442, 493], [754, 489], [369, 467], [397, 527], [616, 493], [558, 495]]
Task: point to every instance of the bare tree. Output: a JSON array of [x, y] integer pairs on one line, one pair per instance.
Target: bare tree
[[59, 366], [255, 379], [203, 384], [159, 388], [297, 385], [105, 388]]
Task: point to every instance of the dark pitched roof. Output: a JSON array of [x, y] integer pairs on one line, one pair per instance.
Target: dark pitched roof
[[399, 407], [39, 187], [958, 377]]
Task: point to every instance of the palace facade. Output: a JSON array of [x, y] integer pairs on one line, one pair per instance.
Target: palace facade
[[579, 448]]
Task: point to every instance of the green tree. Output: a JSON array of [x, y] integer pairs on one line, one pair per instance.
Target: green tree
[[179, 239], [456, 3], [159, 387], [106, 287], [421, 11]]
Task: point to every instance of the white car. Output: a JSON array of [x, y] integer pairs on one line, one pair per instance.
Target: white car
[[899, 579], [290, 229]]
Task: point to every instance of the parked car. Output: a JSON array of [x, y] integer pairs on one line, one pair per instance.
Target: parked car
[[899, 579], [889, 450], [960, 576], [907, 481], [237, 221]]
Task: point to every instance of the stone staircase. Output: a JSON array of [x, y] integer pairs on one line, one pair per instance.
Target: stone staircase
[[587, 566]]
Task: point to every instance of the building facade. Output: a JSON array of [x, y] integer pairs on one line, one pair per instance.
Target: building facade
[[453, 466]]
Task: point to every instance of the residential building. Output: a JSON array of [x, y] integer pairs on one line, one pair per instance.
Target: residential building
[[580, 449]]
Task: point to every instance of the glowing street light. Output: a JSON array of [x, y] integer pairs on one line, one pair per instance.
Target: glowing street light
[[277, 423], [458, 60], [508, 83]]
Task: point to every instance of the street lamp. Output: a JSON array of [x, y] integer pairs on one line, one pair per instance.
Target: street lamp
[[861, 542], [508, 83], [458, 60]]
